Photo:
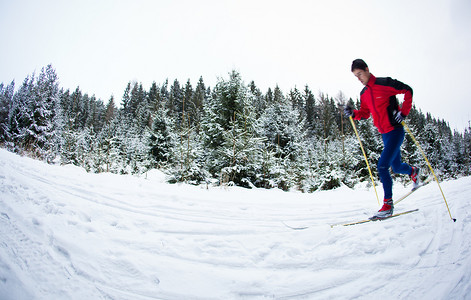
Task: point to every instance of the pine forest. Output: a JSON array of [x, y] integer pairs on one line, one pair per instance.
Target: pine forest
[[229, 134]]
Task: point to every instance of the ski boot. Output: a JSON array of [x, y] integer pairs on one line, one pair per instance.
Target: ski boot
[[414, 176], [385, 212]]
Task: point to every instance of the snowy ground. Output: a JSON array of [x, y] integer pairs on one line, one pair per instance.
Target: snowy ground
[[67, 234]]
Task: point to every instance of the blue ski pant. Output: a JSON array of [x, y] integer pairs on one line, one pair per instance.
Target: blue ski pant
[[391, 157]]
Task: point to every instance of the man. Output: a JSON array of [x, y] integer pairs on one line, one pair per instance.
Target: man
[[378, 98]]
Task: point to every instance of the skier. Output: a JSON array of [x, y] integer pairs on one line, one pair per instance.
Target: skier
[[378, 98]]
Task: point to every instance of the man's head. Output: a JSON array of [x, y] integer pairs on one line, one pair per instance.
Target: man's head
[[361, 71]]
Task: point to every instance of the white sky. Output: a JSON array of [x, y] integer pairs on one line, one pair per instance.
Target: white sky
[[102, 45]]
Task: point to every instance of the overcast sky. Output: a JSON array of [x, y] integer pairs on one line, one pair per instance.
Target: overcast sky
[[102, 45]]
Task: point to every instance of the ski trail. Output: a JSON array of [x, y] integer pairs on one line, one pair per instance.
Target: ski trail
[[46, 273]]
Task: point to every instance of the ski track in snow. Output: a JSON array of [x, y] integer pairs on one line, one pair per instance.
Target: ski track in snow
[[67, 234]]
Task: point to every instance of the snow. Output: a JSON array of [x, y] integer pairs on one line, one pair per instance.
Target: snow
[[68, 234]]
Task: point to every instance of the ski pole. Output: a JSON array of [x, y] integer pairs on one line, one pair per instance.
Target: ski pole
[[430, 167], [366, 159]]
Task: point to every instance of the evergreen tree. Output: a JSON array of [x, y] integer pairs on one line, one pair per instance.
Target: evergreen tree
[[198, 101], [282, 131], [278, 95], [110, 111], [175, 102], [458, 160], [269, 97], [212, 133], [20, 116], [297, 103], [228, 127], [259, 102], [310, 108], [187, 157], [328, 117], [32, 117], [154, 98], [6, 99], [142, 109], [160, 139], [96, 114], [72, 106], [44, 113], [241, 155], [126, 100], [466, 150], [108, 147], [164, 94], [188, 106]]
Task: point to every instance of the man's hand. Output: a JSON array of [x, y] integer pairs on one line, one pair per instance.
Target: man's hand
[[399, 117], [348, 111]]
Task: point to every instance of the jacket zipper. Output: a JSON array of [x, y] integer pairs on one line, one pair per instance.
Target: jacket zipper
[[373, 102]]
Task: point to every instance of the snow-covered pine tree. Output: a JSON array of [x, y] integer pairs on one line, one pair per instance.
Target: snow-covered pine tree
[[96, 115], [68, 139], [278, 94], [241, 152], [154, 99], [259, 102], [328, 117], [310, 108], [110, 110], [164, 93], [187, 102], [160, 137], [108, 148], [269, 97], [432, 144], [33, 112], [297, 103], [326, 159], [467, 150], [279, 125], [175, 101], [72, 108], [187, 156], [126, 99], [20, 117], [459, 159], [141, 107], [351, 160], [212, 135], [447, 155], [195, 106], [6, 99], [228, 131]]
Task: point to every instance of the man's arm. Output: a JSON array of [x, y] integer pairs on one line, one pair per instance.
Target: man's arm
[[397, 87]]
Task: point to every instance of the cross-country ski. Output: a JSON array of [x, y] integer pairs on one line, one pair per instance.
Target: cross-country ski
[[427, 181], [373, 219]]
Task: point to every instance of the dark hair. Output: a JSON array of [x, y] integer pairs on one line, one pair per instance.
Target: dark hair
[[359, 64]]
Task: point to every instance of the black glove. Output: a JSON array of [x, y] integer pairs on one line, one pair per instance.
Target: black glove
[[399, 117], [348, 111]]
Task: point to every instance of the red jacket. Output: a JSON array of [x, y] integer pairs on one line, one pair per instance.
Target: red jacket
[[378, 98]]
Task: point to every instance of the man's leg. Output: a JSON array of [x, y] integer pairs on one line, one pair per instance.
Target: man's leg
[[397, 165], [392, 145], [391, 154]]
